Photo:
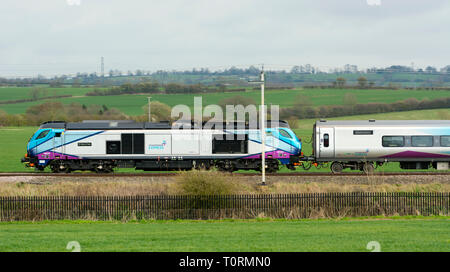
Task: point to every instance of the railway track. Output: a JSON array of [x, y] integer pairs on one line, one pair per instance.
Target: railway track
[[307, 174]]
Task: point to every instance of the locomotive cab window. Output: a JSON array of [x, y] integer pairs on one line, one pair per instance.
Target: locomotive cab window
[[43, 134], [422, 141], [284, 133], [326, 140], [445, 141], [393, 141]]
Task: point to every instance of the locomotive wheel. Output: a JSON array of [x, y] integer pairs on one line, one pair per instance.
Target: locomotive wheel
[[103, 168], [59, 167], [368, 168], [337, 167], [225, 166], [202, 166], [272, 166]]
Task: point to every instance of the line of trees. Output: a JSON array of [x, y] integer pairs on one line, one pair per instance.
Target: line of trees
[[154, 87], [56, 111], [128, 88], [304, 109], [75, 112]]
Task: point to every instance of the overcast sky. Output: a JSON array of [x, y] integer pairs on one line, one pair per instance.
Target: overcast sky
[[68, 36]]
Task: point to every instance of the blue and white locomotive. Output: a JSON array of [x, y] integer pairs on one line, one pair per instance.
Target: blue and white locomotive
[[101, 146]]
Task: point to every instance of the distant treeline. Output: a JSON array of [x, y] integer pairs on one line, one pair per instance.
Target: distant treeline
[[357, 87], [154, 88], [302, 111], [34, 99], [52, 111]]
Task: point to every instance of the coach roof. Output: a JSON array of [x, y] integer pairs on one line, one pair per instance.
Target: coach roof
[[396, 123]]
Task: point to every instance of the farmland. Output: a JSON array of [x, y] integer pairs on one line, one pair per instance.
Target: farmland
[[17, 93], [397, 234], [132, 104]]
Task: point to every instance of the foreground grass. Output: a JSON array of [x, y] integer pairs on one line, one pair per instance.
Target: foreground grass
[[235, 185], [401, 234]]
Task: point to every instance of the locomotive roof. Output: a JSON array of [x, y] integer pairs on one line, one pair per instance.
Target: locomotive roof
[[396, 123], [130, 124]]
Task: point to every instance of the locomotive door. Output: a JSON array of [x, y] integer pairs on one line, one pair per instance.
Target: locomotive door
[[58, 142], [326, 144]]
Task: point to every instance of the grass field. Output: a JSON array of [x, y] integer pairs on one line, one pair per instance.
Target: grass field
[[13, 139], [401, 234], [17, 93], [132, 104]]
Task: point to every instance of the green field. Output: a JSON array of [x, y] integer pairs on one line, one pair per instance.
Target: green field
[[13, 139], [401, 234], [132, 104], [17, 93]]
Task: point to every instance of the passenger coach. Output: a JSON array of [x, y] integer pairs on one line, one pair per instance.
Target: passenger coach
[[360, 145]]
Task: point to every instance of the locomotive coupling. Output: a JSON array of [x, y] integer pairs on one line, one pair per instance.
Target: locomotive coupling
[[27, 160]]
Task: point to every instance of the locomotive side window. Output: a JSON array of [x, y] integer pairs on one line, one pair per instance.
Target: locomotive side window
[[422, 141], [445, 141], [393, 141], [326, 140], [112, 147], [42, 134]]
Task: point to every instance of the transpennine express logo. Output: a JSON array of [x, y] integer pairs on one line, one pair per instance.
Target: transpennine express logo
[[158, 146]]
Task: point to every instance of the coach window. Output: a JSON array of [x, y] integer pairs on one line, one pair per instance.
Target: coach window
[[393, 141], [445, 141], [326, 140], [284, 133], [422, 141]]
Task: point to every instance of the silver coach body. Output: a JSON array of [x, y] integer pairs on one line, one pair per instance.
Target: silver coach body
[[373, 140]]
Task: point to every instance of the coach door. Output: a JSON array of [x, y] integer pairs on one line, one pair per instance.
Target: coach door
[[326, 145]]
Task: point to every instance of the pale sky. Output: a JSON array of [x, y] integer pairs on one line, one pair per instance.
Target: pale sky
[[61, 37]]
